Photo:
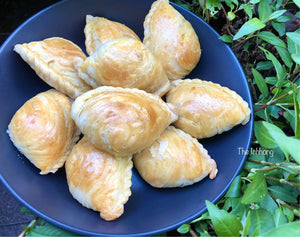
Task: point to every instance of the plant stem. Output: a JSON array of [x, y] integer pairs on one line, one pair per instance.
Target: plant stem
[[262, 162], [284, 204], [283, 181], [193, 233], [274, 101], [228, 25], [264, 169], [29, 227]]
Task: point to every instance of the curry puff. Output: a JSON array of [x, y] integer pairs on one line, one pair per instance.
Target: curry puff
[[206, 108], [43, 130], [125, 62], [98, 180], [175, 159], [99, 30], [121, 121], [55, 61], [172, 39]]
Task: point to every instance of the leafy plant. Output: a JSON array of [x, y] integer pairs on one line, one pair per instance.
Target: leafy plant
[[264, 199]]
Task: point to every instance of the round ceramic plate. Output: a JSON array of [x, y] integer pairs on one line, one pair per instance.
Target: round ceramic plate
[[149, 210]]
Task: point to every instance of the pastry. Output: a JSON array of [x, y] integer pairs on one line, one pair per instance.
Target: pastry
[[55, 61], [206, 108], [98, 180], [121, 121], [43, 130], [172, 39], [125, 62], [175, 159], [98, 30]]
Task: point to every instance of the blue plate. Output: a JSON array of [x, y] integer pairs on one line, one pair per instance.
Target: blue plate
[[149, 211]]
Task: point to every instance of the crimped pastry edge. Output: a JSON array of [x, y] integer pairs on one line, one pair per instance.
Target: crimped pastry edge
[[89, 94], [234, 94]]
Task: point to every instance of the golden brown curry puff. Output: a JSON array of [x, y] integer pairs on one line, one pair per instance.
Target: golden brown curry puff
[[43, 130], [206, 108], [99, 30], [121, 121], [55, 61], [98, 180], [125, 62], [172, 39], [175, 159]]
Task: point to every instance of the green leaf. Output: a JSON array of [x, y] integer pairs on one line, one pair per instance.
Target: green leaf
[[297, 2], [235, 188], [257, 189], [285, 56], [270, 136], [293, 46], [263, 136], [249, 27], [269, 204], [247, 225], [212, 5], [264, 65], [283, 18], [296, 97], [292, 168], [279, 27], [248, 9], [289, 229], [226, 38], [261, 222], [288, 213], [49, 230], [278, 156], [273, 110], [235, 206], [264, 10], [204, 216], [294, 36], [275, 15], [25, 210], [281, 73], [231, 16], [289, 115], [296, 58], [279, 217], [282, 194], [260, 82], [201, 228], [224, 223], [183, 229], [271, 38]]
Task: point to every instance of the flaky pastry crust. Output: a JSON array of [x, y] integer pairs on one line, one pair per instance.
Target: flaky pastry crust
[[172, 39], [98, 180], [175, 159], [127, 63], [121, 121], [99, 30], [55, 61], [43, 130], [206, 108]]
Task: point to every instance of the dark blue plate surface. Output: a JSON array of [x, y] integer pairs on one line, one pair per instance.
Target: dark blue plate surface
[[149, 210]]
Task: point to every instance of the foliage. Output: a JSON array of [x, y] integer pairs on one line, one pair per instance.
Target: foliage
[[263, 199], [40, 228]]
